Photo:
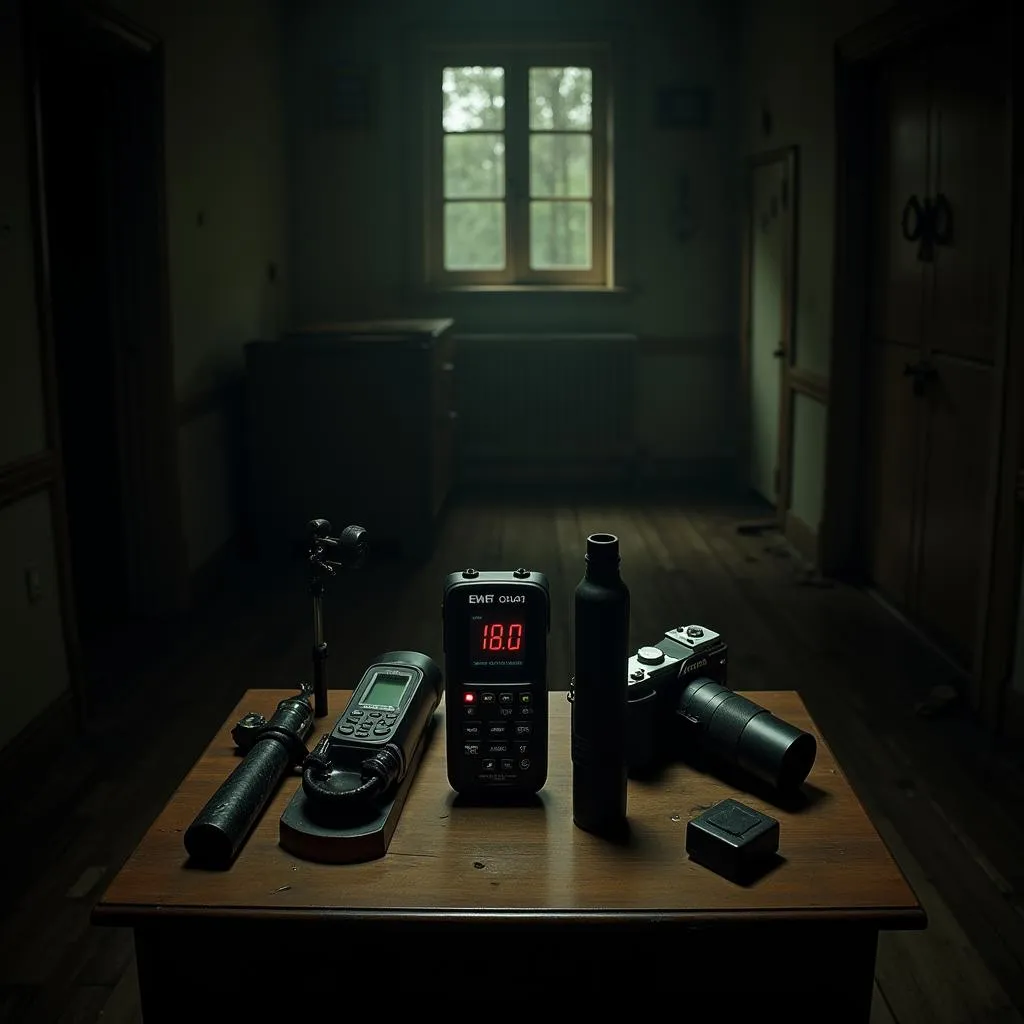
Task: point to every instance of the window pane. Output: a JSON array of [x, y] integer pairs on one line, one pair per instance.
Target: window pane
[[474, 99], [560, 165], [560, 236], [474, 165], [474, 236], [561, 99]]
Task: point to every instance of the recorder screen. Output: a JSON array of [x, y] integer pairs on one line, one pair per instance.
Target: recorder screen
[[492, 641]]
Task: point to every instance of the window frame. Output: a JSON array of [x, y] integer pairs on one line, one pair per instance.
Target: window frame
[[516, 59]]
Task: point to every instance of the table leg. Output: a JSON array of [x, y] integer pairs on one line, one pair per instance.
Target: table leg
[[156, 976]]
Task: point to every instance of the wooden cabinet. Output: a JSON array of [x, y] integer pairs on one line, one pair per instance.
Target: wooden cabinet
[[353, 423], [938, 283]]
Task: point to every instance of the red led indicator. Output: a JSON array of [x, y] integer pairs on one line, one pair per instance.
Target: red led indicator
[[469, 697]]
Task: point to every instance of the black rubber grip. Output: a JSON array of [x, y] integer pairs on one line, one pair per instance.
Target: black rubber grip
[[220, 828]]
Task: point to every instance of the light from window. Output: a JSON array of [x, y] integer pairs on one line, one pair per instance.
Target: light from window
[[561, 168], [474, 168], [518, 176]]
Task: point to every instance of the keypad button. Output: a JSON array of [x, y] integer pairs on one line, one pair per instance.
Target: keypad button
[[347, 730], [471, 749], [526, 698], [497, 748], [504, 698], [381, 730], [523, 729], [522, 748], [497, 729], [524, 763], [356, 713], [507, 764], [376, 714], [487, 764], [487, 698], [471, 712], [525, 712], [506, 712], [471, 728]]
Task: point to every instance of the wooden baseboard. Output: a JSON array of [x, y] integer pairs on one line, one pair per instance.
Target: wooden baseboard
[[52, 729], [802, 537], [650, 477], [26, 476]]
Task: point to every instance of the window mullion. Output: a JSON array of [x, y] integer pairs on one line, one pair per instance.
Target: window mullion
[[517, 155]]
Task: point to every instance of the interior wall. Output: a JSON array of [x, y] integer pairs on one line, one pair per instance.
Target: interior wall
[[788, 98], [226, 229], [354, 216], [226, 221], [33, 668]]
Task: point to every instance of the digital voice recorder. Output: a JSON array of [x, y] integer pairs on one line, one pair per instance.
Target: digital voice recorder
[[496, 627], [373, 744]]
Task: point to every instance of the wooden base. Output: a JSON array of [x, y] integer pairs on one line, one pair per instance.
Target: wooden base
[[367, 838]]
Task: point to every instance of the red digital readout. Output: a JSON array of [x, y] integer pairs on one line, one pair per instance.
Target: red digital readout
[[501, 636]]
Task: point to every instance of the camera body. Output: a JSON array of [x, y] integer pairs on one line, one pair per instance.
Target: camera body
[[657, 677], [678, 703]]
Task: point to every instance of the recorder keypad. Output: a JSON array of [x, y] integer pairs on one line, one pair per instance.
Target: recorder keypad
[[364, 723], [497, 731]]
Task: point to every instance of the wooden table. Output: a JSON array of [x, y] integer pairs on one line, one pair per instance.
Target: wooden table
[[489, 909]]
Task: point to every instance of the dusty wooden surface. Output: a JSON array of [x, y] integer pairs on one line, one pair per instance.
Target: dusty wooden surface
[[448, 857]]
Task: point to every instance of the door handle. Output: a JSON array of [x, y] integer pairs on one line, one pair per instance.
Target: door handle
[[941, 221], [922, 373], [929, 224], [913, 220]]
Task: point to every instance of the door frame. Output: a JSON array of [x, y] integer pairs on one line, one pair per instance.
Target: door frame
[[841, 540], [789, 157], [155, 517]]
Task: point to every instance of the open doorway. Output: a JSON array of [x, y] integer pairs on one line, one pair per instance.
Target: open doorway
[[98, 123]]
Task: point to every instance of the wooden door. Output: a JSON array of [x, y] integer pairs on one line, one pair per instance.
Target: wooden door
[[965, 286], [769, 284], [894, 422]]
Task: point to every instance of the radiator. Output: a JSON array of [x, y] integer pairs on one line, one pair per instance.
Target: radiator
[[547, 406]]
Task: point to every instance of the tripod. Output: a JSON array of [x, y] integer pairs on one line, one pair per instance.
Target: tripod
[[349, 551]]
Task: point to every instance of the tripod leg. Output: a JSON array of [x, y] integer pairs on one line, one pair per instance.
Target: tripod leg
[[320, 680], [319, 657]]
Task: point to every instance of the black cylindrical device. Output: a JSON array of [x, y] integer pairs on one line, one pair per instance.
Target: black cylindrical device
[[598, 694], [742, 733], [219, 829]]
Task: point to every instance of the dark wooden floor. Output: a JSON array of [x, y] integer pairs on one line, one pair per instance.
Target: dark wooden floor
[[948, 801]]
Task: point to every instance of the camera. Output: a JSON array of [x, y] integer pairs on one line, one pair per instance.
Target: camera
[[678, 703]]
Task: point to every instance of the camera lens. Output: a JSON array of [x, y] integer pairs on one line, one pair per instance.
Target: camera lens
[[745, 734]]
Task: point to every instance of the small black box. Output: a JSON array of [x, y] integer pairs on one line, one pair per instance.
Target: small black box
[[733, 840]]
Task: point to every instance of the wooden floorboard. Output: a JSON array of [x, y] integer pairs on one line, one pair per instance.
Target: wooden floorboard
[[947, 800]]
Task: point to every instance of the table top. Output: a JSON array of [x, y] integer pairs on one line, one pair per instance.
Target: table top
[[448, 861]]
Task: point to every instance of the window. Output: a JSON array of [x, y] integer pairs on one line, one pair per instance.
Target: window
[[517, 182]]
